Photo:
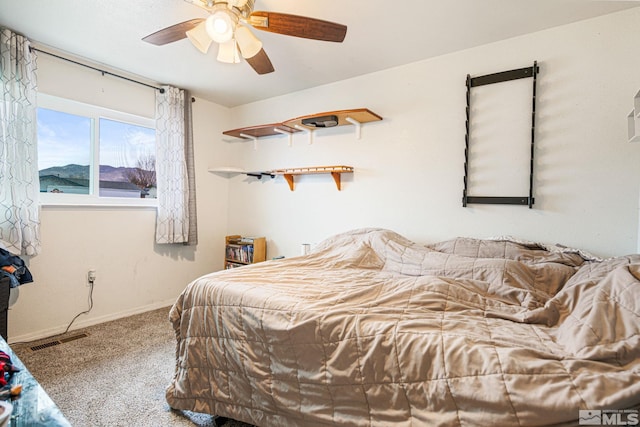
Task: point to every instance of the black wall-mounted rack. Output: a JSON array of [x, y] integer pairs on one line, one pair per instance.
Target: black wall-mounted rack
[[521, 73], [259, 175]]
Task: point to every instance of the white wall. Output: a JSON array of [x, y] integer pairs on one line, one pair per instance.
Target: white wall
[[409, 167], [133, 274], [408, 177]]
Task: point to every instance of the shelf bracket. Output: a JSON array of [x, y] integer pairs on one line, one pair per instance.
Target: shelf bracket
[[284, 132], [306, 129], [253, 138], [289, 178], [336, 178], [357, 124]]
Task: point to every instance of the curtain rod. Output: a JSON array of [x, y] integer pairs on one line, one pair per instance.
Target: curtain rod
[[96, 69]]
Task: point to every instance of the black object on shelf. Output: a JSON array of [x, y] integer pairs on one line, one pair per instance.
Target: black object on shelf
[[259, 175], [321, 122]]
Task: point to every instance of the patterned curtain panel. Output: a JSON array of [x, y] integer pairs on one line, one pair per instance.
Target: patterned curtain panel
[[19, 181], [173, 143]]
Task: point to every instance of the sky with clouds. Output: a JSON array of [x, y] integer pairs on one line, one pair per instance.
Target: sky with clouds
[[65, 139]]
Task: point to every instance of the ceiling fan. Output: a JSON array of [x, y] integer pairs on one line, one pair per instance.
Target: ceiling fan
[[228, 25]]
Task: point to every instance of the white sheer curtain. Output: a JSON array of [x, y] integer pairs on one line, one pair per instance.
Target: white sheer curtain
[[176, 221], [19, 181]]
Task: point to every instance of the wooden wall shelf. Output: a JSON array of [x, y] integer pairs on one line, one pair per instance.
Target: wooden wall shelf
[[260, 131], [288, 174], [356, 117], [335, 172], [228, 171]]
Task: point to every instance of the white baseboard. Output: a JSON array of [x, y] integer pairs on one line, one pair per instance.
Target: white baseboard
[[79, 324]]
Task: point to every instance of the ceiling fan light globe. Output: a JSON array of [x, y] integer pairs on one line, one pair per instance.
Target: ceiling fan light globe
[[228, 52], [199, 37], [220, 26], [248, 43]]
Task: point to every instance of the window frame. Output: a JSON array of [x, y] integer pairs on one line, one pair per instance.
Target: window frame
[[94, 113]]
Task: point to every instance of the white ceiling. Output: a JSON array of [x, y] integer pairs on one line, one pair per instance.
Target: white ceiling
[[381, 34]]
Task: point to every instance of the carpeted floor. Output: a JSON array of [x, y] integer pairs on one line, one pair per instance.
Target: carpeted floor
[[116, 376]]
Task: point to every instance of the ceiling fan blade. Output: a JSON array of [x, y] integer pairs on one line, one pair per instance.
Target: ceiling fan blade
[[199, 37], [298, 26], [251, 49], [173, 33], [261, 63]]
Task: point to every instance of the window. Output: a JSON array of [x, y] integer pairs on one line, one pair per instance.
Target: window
[[92, 155]]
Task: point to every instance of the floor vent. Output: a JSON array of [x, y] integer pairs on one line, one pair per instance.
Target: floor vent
[[73, 337], [58, 342], [45, 345]]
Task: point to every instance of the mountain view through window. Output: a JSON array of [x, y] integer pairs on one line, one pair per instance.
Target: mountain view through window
[[70, 147]]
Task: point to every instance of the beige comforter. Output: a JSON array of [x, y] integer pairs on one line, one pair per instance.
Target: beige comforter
[[372, 329]]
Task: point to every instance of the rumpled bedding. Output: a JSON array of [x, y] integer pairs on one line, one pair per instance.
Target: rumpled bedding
[[371, 329]]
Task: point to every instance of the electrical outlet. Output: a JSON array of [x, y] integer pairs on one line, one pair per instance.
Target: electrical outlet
[[91, 277]]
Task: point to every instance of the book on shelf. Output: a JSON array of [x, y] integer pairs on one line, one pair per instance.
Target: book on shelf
[[239, 253], [231, 265]]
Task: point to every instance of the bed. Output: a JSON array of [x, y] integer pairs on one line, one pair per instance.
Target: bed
[[371, 329]]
